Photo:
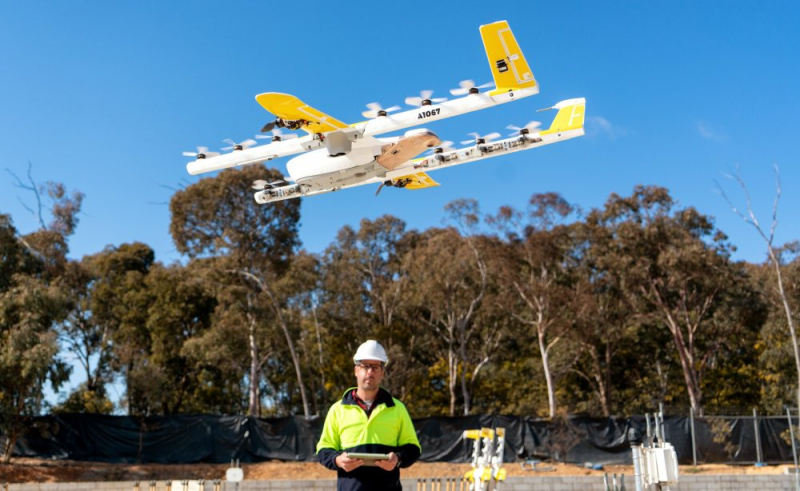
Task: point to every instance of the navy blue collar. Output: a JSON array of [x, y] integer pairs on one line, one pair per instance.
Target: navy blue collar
[[383, 397]]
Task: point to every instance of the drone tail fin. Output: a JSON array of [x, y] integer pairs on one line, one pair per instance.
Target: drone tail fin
[[509, 67], [570, 116]]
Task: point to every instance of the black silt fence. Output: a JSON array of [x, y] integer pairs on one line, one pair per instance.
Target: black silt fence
[[218, 439]]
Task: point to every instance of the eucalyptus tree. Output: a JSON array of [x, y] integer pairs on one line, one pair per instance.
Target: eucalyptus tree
[[32, 305], [365, 293], [677, 268], [449, 280], [217, 218], [118, 302], [536, 273]]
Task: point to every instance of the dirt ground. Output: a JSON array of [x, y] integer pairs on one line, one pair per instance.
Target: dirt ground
[[35, 470]]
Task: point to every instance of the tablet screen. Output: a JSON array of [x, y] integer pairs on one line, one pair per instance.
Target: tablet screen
[[368, 456]]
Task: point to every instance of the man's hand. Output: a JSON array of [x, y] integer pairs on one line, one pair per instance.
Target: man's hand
[[388, 465], [348, 464]]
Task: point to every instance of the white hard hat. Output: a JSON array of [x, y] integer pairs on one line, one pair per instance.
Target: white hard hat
[[371, 350]]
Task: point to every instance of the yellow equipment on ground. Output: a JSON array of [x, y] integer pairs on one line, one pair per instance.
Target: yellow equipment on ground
[[487, 458]]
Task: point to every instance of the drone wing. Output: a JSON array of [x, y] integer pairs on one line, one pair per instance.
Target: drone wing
[[290, 108]]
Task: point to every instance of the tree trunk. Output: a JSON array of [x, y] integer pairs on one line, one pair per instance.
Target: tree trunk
[[687, 364], [464, 389], [548, 377], [254, 391], [321, 359], [453, 373], [276, 309], [600, 379], [789, 320], [297, 370]]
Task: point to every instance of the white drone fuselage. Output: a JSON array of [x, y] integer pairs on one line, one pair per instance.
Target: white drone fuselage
[[319, 169]]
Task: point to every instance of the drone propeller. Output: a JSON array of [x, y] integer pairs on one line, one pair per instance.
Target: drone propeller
[[384, 183], [375, 110], [261, 184], [469, 87], [238, 146], [201, 153], [424, 99], [444, 146], [478, 139], [277, 135], [272, 124], [531, 126]]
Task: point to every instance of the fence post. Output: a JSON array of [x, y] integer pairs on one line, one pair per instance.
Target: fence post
[[794, 448], [759, 462], [694, 442]]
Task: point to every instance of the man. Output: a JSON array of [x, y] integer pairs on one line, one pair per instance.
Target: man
[[368, 420]]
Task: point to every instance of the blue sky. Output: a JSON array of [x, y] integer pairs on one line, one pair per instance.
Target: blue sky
[[104, 96]]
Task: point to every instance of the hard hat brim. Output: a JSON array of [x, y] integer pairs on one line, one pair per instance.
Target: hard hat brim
[[370, 358]]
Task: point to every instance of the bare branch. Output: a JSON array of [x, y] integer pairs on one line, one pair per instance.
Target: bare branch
[[775, 203], [32, 188]]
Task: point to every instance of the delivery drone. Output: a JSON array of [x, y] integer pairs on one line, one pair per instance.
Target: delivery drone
[[335, 155]]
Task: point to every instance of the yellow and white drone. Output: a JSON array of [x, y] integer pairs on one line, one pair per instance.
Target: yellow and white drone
[[335, 155]]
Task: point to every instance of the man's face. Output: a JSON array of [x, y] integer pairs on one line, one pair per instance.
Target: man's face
[[369, 374]]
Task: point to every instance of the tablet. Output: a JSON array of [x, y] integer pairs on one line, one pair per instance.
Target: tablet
[[368, 456]]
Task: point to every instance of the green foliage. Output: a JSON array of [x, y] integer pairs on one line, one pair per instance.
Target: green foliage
[[632, 304], [721, 431], [85, 400], [29, 310]]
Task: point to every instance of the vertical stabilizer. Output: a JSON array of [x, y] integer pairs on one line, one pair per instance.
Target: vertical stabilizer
[[570, 116], [509, 67]]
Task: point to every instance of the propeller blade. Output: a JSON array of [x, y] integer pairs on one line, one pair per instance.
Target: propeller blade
[[531, 126], [492, 136], [423, 96], [446, 146], [463, 87], [190, 154], [466, 85], [269, 126], [259, 184], [375, 109]]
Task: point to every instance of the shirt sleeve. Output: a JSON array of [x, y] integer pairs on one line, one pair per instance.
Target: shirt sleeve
[[409, 449], [329, 446]]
